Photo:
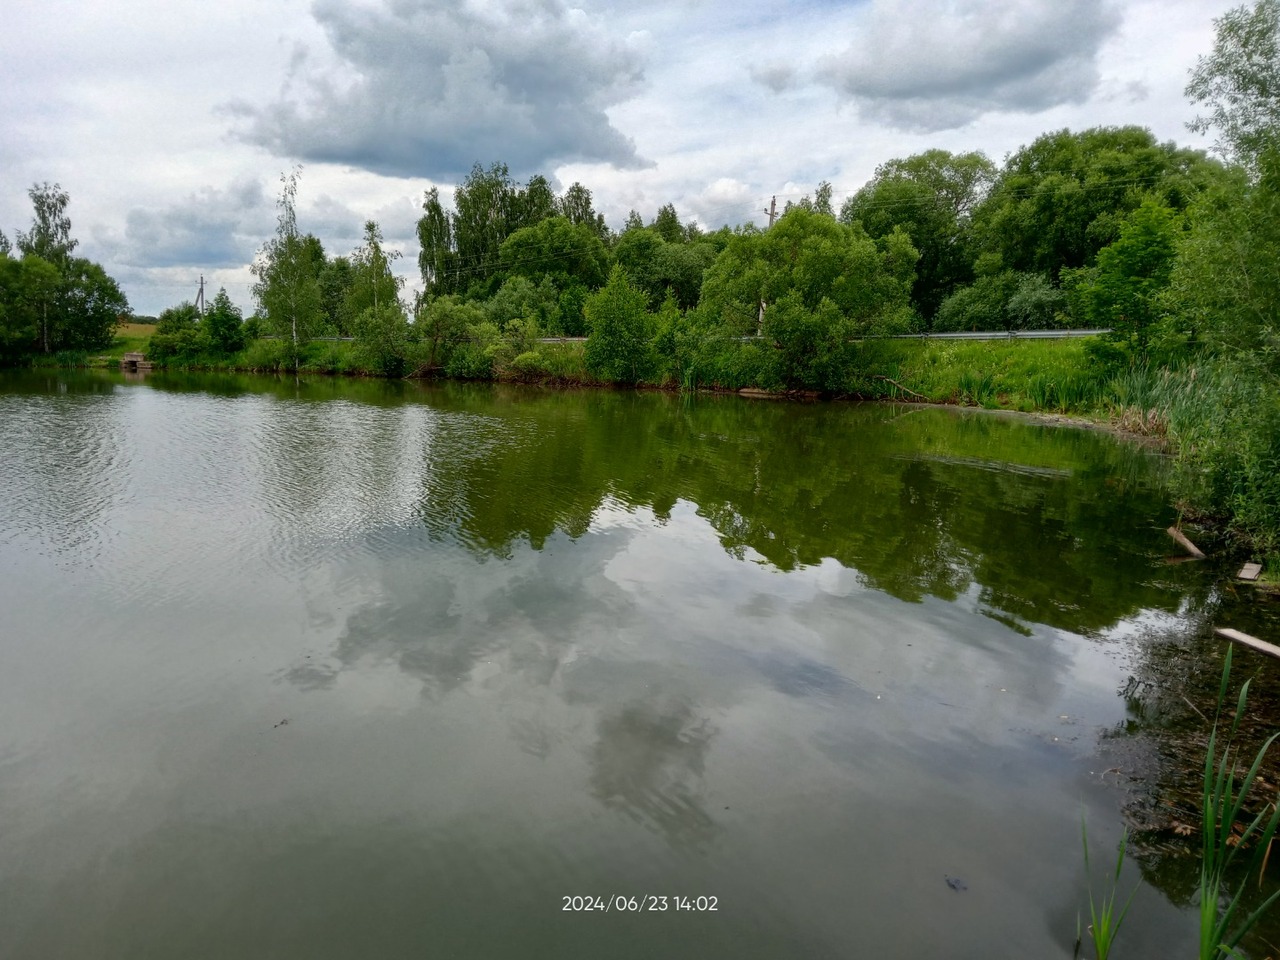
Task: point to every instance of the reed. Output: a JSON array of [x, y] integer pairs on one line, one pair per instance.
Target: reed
[[1104, 917], [1223, 810]]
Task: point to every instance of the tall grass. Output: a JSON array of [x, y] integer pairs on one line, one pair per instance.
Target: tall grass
[[1221, 928], [1223, 419]]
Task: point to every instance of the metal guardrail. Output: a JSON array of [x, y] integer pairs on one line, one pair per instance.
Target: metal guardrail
[[1001, 335]]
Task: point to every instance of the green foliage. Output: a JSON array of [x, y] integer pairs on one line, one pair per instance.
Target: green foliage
[[1225, 284], [27, 287], [373, 287], [1222, 808], [50, 235], [51, 301], [813, 348], [1104, 919], [474, 356], [571, 320], [575, 206], [441, 325], [437, 258], [816, 258], [1060, 200], [528, 366], [335, 279], [1036, 304], [1240, 82], [557, 249], [931, 196], [184, 316], [1131, 276], [224, 324], [287, 270], [667, 225], [382, 335], [981, 306], [267, 356], [180, 347], [91, 305], [657, 266], [618, 347]]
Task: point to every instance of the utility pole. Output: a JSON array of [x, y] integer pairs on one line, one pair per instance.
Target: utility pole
[[773, 215], [200, 297]]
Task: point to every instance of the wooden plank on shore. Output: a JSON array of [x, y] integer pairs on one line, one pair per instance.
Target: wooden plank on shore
[[1186, 544], [1250, 571], [1270, 649]]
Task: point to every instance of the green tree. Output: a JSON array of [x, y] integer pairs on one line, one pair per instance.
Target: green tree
[[1132, 274], [441, 325], [667, 224], [287, 289], [1240, 83], [1036, 304], [816, 258], [41, 298], [575, 206], [92, 306], [184, 316], [519, 298], [1224, 289], [931, 196], [813, 347], [437, 259], [1060, 200], [373, 285], [618, 347], [19, 318], [335, 282], [50, 234], [373, 304], [224, 323], [558, 249]]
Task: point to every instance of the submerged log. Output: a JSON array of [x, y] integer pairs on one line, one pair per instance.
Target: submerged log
[[1186, 544], [1270, 649]]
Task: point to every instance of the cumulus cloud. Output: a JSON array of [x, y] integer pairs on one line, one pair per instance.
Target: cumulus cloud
[[927, 65], [724, 200], [426, 88], [211, 228]]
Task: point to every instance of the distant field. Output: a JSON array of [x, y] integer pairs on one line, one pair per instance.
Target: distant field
[[130, 338]]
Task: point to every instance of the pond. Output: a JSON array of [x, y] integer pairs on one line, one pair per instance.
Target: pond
[[365, 669]]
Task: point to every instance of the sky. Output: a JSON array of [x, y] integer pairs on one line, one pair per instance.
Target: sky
[[171, 123]]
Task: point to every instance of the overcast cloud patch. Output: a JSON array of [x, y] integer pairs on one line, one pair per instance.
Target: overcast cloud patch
[[778, 77], [927, 65], [426, 88], [212, 228]]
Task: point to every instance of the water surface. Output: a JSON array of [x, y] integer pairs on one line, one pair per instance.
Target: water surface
[[342, 669]]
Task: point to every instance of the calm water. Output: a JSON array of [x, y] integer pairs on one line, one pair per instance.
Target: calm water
[[370, 670]]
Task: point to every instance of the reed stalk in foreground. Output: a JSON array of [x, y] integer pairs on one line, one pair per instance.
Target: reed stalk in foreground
[[1104, 919], [1220, 933]]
